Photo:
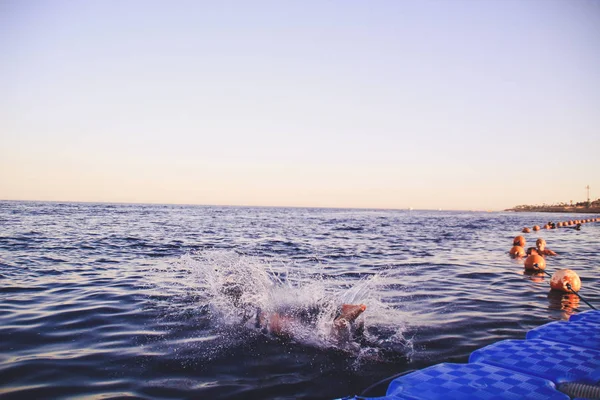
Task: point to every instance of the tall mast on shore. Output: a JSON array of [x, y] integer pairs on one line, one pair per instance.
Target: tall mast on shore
[[588, 192]]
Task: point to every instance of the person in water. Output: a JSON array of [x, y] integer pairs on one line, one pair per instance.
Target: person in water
[[344, 327], [281, 323], [541, 248]]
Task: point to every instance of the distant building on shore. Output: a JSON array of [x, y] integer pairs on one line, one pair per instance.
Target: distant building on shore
[[581, 207]]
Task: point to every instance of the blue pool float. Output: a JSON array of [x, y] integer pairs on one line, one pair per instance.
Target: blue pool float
[[558, 354]]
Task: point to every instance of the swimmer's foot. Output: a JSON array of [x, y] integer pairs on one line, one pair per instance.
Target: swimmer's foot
[[348, 314], [351, 311]]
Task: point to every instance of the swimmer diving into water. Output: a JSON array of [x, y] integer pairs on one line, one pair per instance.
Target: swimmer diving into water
[[281, 323]]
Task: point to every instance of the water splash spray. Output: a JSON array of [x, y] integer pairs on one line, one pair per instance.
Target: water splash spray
[[235, 288]]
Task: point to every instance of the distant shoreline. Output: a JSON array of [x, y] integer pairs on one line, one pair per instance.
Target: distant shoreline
[[557, 209]]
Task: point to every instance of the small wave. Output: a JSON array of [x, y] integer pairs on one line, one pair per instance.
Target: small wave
[[21, 289], [106, 261], [349, 228]]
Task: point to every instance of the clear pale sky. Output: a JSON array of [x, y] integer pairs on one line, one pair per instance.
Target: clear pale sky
[[385, 104]]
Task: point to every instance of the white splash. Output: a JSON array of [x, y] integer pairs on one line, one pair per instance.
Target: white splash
[[236, 288]]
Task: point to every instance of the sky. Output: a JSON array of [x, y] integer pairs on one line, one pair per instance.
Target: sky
[[463, 105]]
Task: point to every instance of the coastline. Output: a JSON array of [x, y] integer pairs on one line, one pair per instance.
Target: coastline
[[557, 209]]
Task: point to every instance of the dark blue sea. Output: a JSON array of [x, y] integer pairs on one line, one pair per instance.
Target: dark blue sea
[[117, 300]]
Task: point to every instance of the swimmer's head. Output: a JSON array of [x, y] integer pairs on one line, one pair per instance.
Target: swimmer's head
[[540, 243], [532, 251]]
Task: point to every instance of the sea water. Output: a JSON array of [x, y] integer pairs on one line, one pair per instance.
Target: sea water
[[112, 300]]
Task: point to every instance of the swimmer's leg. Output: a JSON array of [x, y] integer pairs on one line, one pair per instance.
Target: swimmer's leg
[[280, 325], [348, 314]]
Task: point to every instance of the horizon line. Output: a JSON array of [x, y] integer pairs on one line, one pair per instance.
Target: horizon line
[[249, 206]]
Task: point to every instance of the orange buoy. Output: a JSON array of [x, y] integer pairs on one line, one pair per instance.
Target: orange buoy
[[517, 252], [519, 241], [570, 223], [535, 263], [562, 277], [526, 230], [560, 224], [536, 228]]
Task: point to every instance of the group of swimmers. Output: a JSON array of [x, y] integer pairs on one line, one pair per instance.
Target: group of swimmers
[[564, 280], [518, 249]]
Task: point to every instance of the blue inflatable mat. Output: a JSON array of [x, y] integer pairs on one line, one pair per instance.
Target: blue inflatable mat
[[554, 361], [555, 353], [471, 381], [583, 333], [588, 316]]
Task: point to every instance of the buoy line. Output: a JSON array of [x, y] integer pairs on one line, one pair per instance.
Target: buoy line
[[562, 224]]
